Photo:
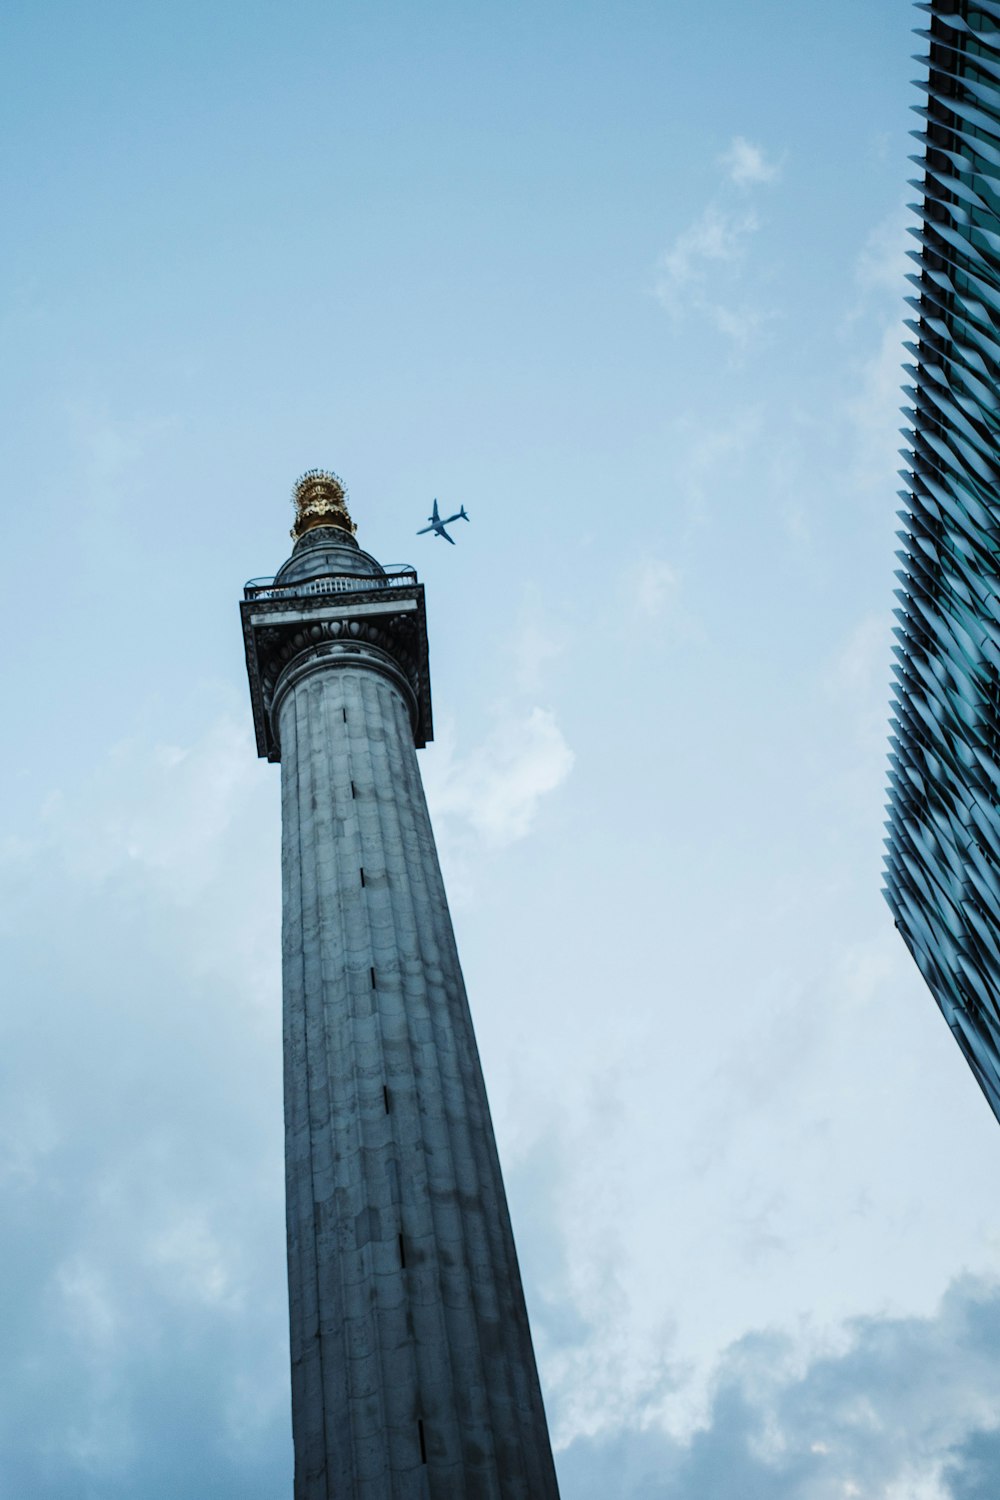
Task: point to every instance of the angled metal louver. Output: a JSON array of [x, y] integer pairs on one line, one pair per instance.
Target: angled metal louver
[[942, 862]]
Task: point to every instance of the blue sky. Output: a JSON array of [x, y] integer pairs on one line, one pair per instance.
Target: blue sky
[[627, 281]]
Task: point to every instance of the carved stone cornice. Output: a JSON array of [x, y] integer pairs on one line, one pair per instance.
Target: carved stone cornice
[[295, 633]]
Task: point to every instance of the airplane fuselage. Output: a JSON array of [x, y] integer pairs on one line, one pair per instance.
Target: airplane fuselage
[[438, 523]]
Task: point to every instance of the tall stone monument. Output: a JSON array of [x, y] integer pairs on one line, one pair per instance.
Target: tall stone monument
[[413, 1373]]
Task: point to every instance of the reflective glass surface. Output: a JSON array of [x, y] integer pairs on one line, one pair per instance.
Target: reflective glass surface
[[943, 845]]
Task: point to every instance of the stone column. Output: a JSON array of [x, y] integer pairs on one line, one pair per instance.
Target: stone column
[[412, 1367]]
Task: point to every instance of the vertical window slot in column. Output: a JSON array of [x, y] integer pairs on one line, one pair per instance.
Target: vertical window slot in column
[[354, 790], [423, 1445], [372, 973], [362, 870], [385, 1097], [402, 1253]]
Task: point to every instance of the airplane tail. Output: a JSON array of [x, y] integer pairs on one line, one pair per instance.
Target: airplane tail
[[462, 513]]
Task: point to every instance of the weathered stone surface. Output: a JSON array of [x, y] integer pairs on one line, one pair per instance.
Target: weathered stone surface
[[413, 1376]]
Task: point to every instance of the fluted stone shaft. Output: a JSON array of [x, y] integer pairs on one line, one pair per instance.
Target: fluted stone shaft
[[412, 1367]]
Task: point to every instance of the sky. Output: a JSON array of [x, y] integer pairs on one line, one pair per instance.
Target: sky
[[628, 282]]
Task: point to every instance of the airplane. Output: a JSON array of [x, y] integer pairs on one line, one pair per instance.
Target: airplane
[[437, 525]]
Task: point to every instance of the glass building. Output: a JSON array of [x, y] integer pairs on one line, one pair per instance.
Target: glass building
[[943, 859]]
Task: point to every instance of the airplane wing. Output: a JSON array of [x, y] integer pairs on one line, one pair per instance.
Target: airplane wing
[[424, 529], [434, 515], [442, 532]]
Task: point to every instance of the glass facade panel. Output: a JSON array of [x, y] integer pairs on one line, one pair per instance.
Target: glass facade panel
[[943, 846]]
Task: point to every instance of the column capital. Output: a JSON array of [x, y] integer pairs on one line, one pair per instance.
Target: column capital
[[379, 623]]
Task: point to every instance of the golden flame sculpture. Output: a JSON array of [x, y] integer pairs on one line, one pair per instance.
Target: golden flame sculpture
[[320, 499]]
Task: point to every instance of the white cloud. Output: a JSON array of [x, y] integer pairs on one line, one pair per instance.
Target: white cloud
[[905, 1409], [747, 165], [653, 586], [495, 789], [739, 324], [873, 406], [883, 262], [700, 270], [536, 644], [857, 681], [140, 1164], [717, 237], [195, 1262], [28, 1136], [162, 809], [709, 458], [89, 1305], [174, 821]]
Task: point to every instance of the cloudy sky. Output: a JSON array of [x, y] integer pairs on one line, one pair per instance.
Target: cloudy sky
[[626, 280]]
